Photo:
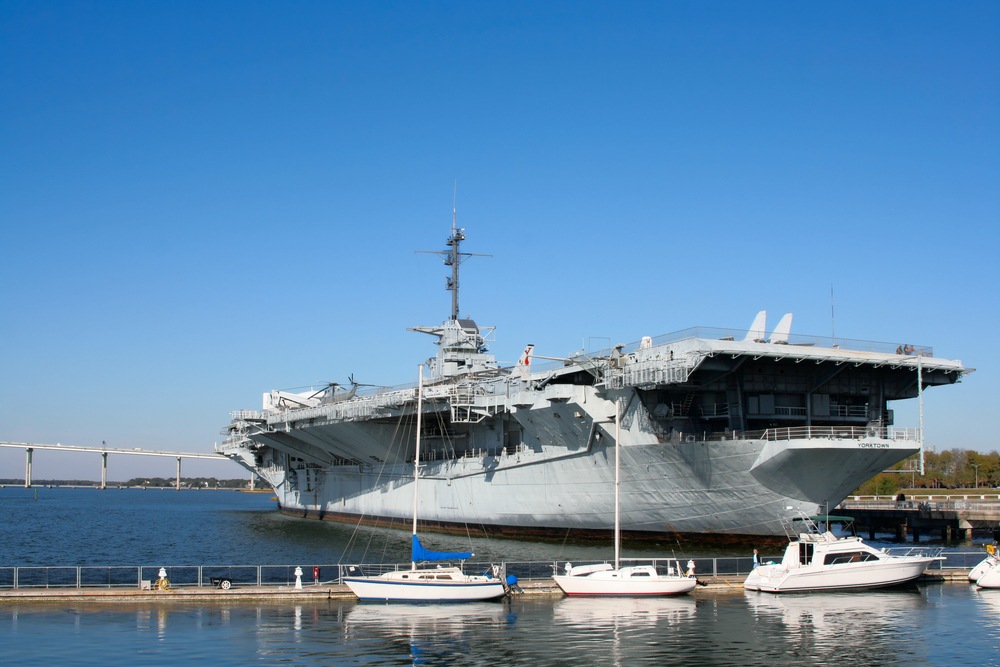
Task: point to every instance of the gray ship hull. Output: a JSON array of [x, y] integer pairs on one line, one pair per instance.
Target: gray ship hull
[[735, 489]]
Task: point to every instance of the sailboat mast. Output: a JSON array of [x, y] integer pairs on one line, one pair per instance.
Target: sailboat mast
[[416, 451], [618, 532]]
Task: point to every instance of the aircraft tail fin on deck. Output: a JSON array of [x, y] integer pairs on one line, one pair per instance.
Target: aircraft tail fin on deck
[[756, 331], [524, 363], [780, 333]]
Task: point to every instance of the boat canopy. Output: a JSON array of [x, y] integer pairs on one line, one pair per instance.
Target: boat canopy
[[419, 553]]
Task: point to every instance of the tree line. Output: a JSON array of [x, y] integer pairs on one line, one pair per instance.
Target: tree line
[[948, 469]]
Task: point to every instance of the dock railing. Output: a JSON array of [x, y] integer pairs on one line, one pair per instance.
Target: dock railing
[[732, 568]]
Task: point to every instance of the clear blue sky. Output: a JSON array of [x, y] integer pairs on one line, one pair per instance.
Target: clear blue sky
[[204, 201]]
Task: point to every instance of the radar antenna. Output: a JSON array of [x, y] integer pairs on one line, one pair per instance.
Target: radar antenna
[[453, 257]]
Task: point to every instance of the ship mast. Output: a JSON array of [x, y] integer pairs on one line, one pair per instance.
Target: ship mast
[[453, 256]]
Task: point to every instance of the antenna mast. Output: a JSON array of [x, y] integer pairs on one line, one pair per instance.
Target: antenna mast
[[453, 256], [833, 319]]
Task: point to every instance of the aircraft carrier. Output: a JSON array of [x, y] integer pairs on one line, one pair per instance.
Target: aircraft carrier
[[724, 433]]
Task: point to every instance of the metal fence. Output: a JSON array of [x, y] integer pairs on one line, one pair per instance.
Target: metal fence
[[284, 575]]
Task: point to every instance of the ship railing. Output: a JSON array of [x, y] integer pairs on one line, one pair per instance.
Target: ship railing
[[715, 410], [651, 372], [926, 503], [794, 340], [837, 410], [471, 404], [283, 576], [790, 410], [359, 407], [834, 432], [248, 415], [709, 333]]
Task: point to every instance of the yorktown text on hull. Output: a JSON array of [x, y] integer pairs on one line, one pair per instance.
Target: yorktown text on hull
[[723, 433]]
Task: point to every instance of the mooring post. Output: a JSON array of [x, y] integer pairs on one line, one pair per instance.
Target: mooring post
[[27, 467]]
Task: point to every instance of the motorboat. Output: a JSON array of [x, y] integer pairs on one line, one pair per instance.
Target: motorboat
[[987, 573], [818, 560], [987, 564], [604, 579]]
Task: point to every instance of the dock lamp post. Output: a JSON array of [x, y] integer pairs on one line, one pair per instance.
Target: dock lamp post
[[975, 466]]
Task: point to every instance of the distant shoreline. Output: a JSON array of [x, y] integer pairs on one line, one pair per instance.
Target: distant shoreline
[[113, 485]]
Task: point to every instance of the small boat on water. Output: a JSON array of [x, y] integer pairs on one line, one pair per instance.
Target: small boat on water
[[818, 560], [427, 584], [987, 573], [985, 565], [603, 579]]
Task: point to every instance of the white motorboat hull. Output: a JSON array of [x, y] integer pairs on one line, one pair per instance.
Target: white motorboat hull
[[990, 578], [985, 566], [780, 579]]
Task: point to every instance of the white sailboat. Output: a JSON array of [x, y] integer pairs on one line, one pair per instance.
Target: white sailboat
[[426, 584], [603, 579]]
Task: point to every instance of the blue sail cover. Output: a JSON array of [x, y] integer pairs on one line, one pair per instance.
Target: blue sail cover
[[419, 553]]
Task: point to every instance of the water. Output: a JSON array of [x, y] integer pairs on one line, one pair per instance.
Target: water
[[83, 527], [945, 624]]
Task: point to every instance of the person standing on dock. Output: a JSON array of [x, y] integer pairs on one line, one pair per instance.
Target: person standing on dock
[[756, 559], [315, 575]]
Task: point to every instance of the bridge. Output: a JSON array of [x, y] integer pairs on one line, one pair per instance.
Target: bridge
[[30, 448], [955, 517]]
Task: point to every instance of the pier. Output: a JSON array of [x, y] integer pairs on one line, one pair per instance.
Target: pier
[[29, 449], [953, 517], [276, 582]]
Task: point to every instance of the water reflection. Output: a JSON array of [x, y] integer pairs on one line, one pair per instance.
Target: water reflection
[[611, 612], [937, 625], [619, 631], [424, 618], [873, 627], [427, 633]]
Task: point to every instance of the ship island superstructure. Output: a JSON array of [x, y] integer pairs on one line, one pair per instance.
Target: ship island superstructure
[[723, 433]]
